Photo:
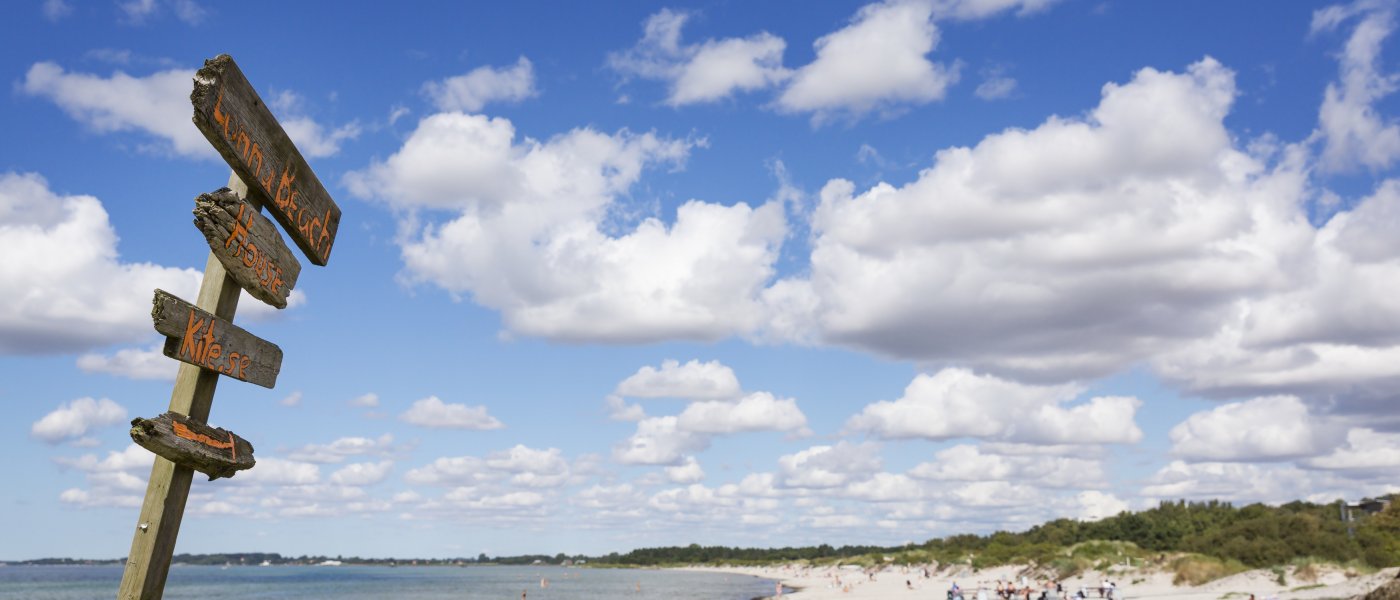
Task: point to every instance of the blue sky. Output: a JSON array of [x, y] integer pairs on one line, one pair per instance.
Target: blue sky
[[776, 274]]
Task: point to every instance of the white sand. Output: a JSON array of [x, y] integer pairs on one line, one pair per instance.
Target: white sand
[[1132, 584]]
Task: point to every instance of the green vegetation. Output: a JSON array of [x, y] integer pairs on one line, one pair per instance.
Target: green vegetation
[[1200, 541], [1196, 569]]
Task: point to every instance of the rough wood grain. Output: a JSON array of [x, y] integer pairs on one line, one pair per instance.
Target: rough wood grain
[[179, 439], [236, 121], [158, 526], [199, 338], [248, 245]]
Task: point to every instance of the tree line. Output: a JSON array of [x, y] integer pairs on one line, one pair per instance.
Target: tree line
[[1256, 535]]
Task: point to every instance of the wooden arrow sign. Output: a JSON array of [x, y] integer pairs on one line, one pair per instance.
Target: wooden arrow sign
[[204, 340], [189, 443], [248, 245], [236, 121]]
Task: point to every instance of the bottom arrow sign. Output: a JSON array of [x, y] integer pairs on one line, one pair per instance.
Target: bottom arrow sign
[[209, 450]]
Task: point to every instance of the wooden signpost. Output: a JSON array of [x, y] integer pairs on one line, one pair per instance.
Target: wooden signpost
[[246, 252], [238, 124], [204, 340], [182, 440], [248, 244]]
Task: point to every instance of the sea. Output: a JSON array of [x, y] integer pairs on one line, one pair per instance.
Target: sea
[[35, 582]]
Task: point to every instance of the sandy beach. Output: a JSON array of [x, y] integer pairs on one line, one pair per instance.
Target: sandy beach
[[828, 583]]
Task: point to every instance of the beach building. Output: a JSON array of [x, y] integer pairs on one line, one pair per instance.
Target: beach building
[[1372, 506]]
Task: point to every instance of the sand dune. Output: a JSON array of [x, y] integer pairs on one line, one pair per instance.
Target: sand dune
[[826, 583]]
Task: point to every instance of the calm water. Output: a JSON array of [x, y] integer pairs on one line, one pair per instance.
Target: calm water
[[407, 583]]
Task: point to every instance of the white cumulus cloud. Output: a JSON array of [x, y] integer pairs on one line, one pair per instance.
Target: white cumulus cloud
[[343, 448], [687, 472], [970, 463], [1226, 481], [76, 418], [433, 413], [68, 288], [1261, 429], [133, 363], [272, 471], [528, 236], [1366, 453], [658, 441], [706, 72], [157, 104], [693, 380], [1095, 241], [1332, 338], [474, 90], [895, 35], [1095, 505], [362, 473], [957, 403], [1354, 134], [759, 411], [830, 466], [531, 467]]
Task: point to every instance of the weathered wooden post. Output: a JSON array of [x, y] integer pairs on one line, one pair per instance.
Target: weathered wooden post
[[246, 252]]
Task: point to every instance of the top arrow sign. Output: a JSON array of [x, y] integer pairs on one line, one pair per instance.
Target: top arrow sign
[[236, 121]]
